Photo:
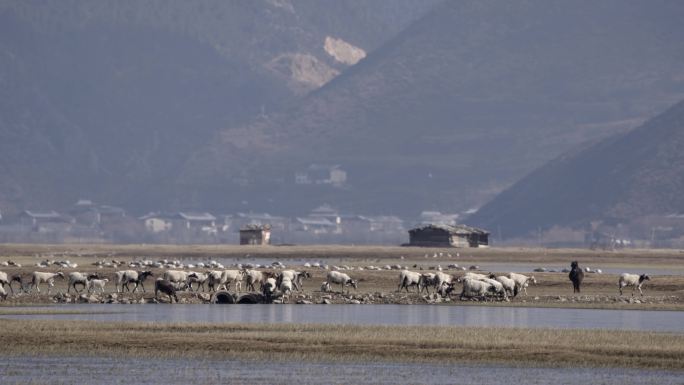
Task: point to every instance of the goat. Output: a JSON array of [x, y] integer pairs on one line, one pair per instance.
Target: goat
[[79, 278], [176, 276], [632, 280], [124, 277], [476, 288], [407, 279], [341, 279], [40, 277], [94, 284], [230, 276], [508, 284], [296, 277], [165, 287], [199, 278], [576, 276], [427, 280], [252, 277], [521, 281]]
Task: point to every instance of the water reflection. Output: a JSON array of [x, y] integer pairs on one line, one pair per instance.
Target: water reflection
[[382, 315]]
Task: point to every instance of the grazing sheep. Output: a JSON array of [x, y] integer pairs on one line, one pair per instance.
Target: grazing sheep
[[297, 277], [49, 278], [124, 277], [17, 278], [214, 279], [269, 288], [253, 277], [427, 280], [632, 280], [498, 287], [286, 286], [325, 286], [470, 275], [199, 278], [407, 279], [166, 287], [476, 288], [79, 278], [95, 284], [443, 278], [508, 284], [576, 276], [335, 277], [521, 281], [176, 276], [230, 276], [4, 281], [445, 289]]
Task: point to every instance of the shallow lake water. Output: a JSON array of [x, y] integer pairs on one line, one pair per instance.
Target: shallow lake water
[[94, 370], [519, 317]]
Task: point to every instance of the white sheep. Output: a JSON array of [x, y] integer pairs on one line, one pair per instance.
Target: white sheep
[[230, 276], [443, 278], [632, 280], [124, 277], [498, 287], [335, 277], [40, 277], [508, 284], [470, 275], [325, 286], [476, 288], [522, 281], [286, 286], [253, 277], [295, 276], [199, 278], [176, 276], [77, 278], [4, 281], [408, 278], [95, 284]]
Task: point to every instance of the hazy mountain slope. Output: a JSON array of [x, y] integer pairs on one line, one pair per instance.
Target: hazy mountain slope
[[617, 180], [106, 100], [457, 107]]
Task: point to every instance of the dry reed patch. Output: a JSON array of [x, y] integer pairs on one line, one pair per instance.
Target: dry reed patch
[[547, 347]]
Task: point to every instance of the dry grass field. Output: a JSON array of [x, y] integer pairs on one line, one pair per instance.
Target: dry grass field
[[545, 347]]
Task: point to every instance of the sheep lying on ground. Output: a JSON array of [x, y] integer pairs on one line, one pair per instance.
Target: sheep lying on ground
[[632, 280], [49, 278]]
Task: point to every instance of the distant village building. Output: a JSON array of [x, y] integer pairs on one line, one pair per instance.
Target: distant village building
[[157, 222], [36, 218], [322, 174], [317, 225], [203, 221], [255, 235], [448, 236], [87, 213]]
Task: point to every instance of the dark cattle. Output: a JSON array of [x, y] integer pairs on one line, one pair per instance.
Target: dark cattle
[[576, 276], [165, 287]]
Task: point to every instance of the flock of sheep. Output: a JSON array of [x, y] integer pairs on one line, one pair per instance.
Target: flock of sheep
[[283, 282]]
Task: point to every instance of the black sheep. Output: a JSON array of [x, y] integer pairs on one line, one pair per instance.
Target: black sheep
[[165, 287]]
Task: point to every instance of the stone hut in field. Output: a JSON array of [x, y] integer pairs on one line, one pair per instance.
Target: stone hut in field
[[255, 235], [448, 236]]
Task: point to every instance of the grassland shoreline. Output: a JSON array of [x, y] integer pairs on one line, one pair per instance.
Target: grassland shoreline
[[346, 343]]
